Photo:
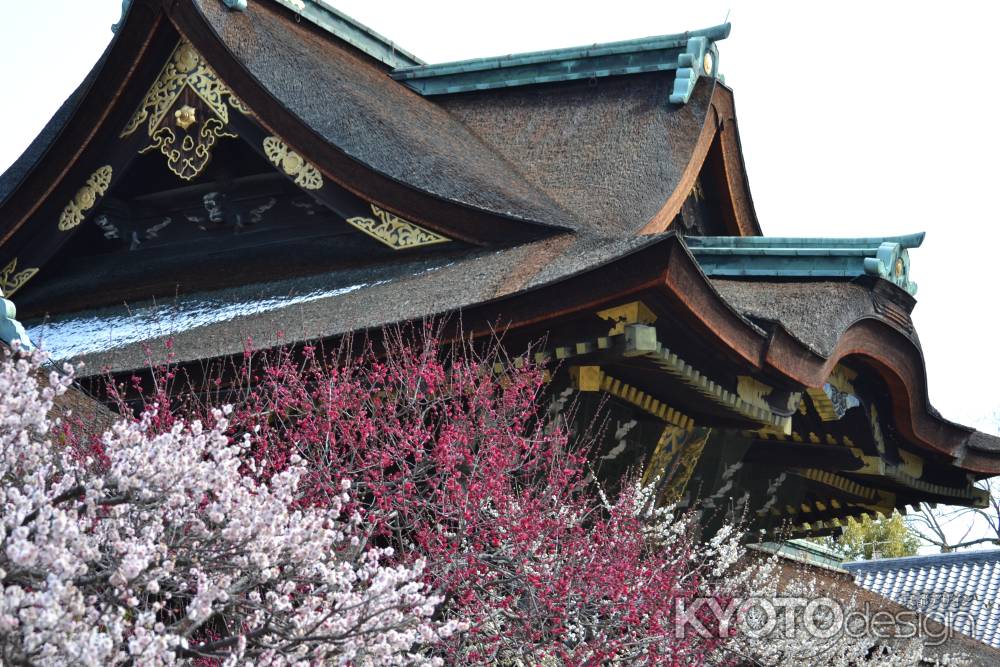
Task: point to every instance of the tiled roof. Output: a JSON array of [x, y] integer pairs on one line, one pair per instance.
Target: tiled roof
[[959, 589]]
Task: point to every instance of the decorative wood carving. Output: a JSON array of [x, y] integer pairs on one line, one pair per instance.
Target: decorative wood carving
[[674, 460], [12, 280], [394, 231], [186, 112], [294, 165], [85, 198]]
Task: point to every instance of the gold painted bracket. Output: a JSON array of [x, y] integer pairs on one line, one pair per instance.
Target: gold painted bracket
[[687, 448], [634, 312], [12, 280], [641, 341], [593, 378], [95, 188], [677, 454], [294, 165], [394, 231], [839, 483], [839, 382]]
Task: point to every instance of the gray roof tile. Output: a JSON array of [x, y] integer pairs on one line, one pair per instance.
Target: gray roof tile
[[955, 588]]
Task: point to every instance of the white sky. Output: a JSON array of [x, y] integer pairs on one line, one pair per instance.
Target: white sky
[[857, 118]]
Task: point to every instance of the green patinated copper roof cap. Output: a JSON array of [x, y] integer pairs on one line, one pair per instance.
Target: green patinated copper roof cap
[[359, 36], [805, 551], [692, 54], [884, 257], [10, 329]]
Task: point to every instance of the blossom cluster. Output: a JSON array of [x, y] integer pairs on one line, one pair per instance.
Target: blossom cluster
[[174, 550], [457, 461]]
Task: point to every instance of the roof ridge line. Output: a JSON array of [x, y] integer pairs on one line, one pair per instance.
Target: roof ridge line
[[896, 563], [691, 54], [650, 43], [352, 31]]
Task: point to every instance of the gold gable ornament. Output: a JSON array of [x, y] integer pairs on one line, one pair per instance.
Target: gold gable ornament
[[95, 187], [186, 112], [395, 232], [294, 165], [12, 280]]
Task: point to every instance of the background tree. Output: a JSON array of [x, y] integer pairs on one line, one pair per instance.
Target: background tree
[[457, 460], [950, 527], [882, 537]]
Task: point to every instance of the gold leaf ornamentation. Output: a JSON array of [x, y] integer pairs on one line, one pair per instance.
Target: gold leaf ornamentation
[[394, 231], [186, 116], [12, 280], [239, 105], [85, 198], [190, 158], [294, 165], [186, 80], [673, 462], [185, 69]]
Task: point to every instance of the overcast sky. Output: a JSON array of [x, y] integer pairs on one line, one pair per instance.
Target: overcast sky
[[857, 118]]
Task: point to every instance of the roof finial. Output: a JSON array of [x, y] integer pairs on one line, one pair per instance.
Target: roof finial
[[121, 19], [700, 58]]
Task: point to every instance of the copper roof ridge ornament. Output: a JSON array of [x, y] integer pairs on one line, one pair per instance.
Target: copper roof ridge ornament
[[10, 329], [892, 263], [885, 257], [121, 19]]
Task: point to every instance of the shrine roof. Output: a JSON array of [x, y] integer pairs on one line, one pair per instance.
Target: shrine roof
[[351, 102], [319, 306], [800, 329], [604, 155], [941, 586], [600, 154], [840, 584], [777, 257], [815, 312], [577, 180]]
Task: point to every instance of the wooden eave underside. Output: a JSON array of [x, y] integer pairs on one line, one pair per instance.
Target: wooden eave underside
[[666, 277]]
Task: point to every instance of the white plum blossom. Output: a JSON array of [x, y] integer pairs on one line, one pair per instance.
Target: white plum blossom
[[171, 553]]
